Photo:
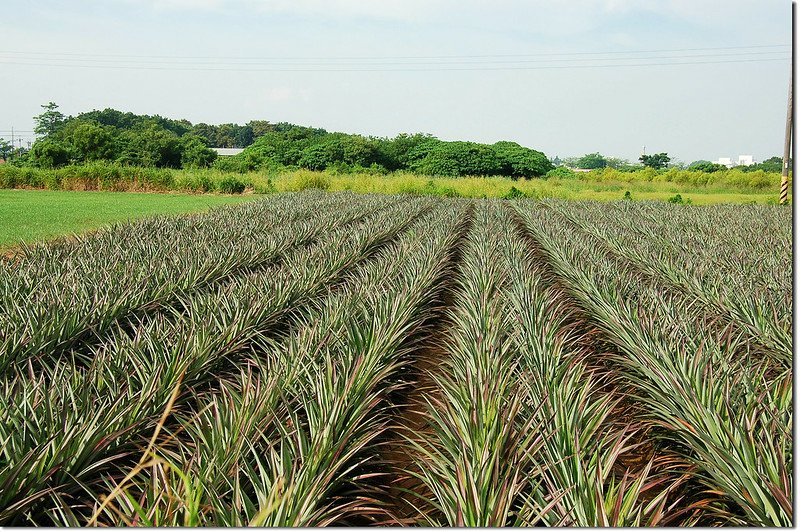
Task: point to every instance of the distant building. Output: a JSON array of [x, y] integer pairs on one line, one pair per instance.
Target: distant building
[[226, 152], [743, 160]]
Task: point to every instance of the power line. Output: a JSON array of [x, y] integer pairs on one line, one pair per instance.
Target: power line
[[329, 58], [70, 61], [546, 67]]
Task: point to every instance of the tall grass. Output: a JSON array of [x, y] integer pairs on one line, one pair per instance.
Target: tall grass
[[697, 187]]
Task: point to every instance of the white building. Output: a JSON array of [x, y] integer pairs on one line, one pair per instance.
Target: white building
[[228, 151], [743, 160]]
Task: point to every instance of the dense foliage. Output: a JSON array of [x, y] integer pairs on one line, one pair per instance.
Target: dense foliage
[[316, 149], [154, 141], [656, 160]]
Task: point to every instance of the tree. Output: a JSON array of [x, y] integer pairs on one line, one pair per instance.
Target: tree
[[706, 166], [48, 153], [656, 161], [92, 142], [397, 153], [773, 164], [617, 163], [49, 121], [5, 148], [207, 132], [457, 158], [152, 146], [244, 136], [260, 127], [591, 161], [519, 161], [195, 153]]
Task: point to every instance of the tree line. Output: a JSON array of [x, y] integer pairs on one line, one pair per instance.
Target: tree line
[[658, 161], [155, 141]]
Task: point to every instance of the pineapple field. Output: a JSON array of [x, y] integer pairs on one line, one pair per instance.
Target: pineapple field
[[314, 359]]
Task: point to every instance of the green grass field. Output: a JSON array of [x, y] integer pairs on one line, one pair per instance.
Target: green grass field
[[34, 215]]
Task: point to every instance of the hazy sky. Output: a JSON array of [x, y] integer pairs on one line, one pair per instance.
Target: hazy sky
[[543, 73]]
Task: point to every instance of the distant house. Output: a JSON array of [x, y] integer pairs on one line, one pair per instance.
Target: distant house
[[743, 160], [227, 152]]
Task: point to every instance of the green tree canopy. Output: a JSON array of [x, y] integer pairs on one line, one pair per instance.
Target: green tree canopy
[[49, 121], [592, 161], [706, 166], [456, 158], [519, 161], [5, 148], [47, 153], [656, 161], [195, 153], [91, 141]]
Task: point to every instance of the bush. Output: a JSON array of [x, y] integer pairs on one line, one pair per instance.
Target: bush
[[231, 185], [304, 180], [560, 171], [50, 154], [514, 193], [675, 199]]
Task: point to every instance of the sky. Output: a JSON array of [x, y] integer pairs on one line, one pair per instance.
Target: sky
[[567, 78]]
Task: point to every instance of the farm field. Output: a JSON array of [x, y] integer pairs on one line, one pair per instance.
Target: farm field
[[311, 359], [32, 215]]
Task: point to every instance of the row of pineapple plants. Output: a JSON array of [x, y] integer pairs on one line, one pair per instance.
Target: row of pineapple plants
[[252, 366], [720, 410], [739, 263], [309, 407], [75, 417]]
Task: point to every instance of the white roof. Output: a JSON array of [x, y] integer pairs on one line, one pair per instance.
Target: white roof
[[228, 151]]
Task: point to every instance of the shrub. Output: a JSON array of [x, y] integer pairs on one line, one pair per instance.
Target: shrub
[[514, 193], [268, 188], [675, 199], [232, 164], [231, 185], [304, 180], [560, 171], [50, 154]]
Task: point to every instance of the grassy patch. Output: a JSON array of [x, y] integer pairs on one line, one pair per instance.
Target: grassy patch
[[698, 188], [33, 215], [500, 187]]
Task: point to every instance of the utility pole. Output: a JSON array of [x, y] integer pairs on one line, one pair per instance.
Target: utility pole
[[787, 143]]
